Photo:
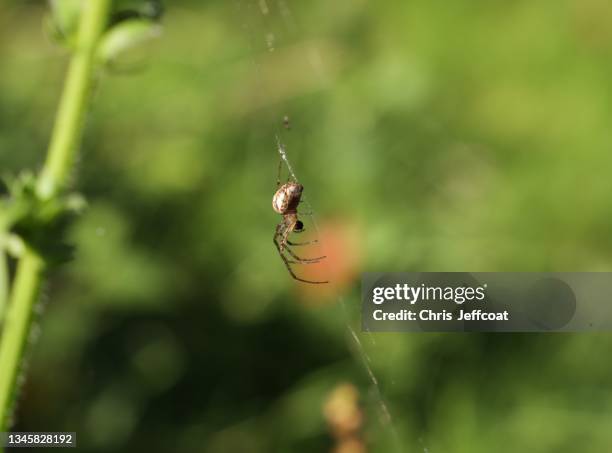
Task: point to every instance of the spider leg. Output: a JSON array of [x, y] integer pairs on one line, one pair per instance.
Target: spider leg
[[295, 277], [279, 234], [287, 262], [304, 260], [284, 234], [314, 241], [293, 262]]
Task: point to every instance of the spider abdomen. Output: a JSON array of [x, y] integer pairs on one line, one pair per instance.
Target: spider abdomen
[[287, 198]]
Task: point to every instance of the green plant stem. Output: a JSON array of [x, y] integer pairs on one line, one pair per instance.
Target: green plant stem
[[73, 104], [17, 327], [60, 158], [4, 278]]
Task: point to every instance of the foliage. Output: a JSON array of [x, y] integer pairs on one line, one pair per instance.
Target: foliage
[[444, 136]]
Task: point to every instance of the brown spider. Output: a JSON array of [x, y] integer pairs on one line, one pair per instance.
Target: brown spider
[[285, 201]]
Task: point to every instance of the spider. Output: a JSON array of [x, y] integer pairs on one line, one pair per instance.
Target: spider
[[285, 201]]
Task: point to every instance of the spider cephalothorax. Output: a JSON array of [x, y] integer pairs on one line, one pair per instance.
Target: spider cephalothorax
[[285, 201]]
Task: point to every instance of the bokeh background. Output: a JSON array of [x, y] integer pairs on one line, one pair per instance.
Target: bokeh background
[[429, 135]]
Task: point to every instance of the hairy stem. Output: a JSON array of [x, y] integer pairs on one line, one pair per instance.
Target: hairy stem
[[4, 279], [60, 158], [17, 326], [73, 104]]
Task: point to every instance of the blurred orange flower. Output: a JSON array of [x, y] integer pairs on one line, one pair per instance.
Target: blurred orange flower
[[339, 241]]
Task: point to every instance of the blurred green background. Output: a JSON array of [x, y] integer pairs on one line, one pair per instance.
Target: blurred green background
[[429, 135]]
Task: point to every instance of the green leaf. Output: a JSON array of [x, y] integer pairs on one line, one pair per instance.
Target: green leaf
[[64, 19], [123, 44], [41, 223]]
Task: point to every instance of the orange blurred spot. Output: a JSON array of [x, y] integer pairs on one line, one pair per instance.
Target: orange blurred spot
[[340, 242], [345, 418], [350, 446], [342, 412]]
